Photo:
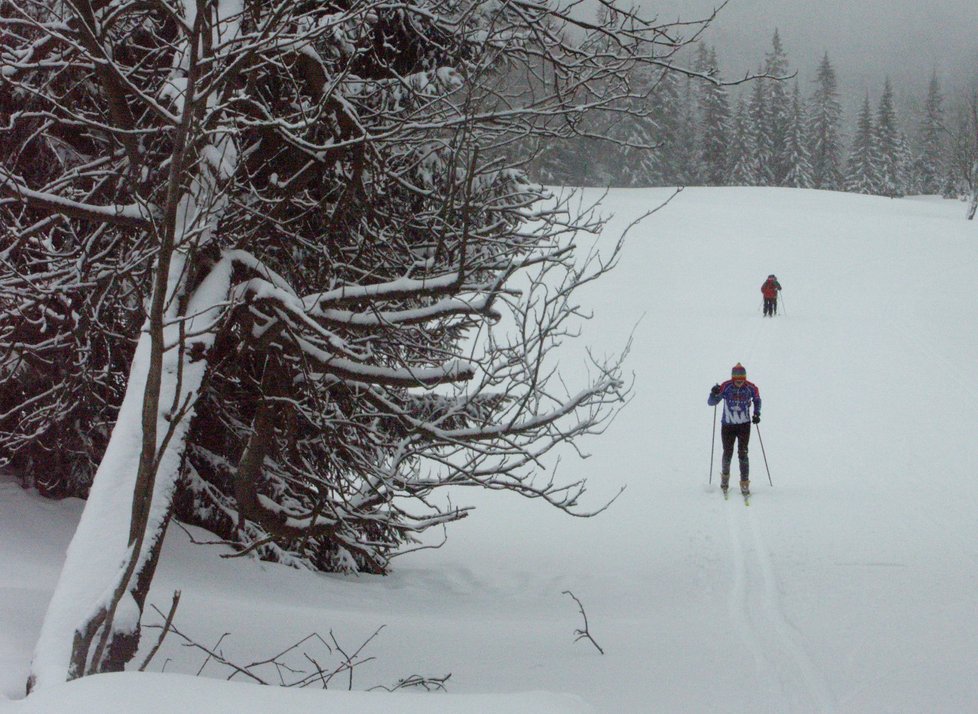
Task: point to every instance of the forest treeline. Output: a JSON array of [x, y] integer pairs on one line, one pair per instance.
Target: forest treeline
[[702, 129]]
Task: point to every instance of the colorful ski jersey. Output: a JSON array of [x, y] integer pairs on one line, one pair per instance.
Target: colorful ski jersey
[[736, 401]]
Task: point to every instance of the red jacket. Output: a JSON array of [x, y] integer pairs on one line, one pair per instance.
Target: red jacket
[[770, 288]]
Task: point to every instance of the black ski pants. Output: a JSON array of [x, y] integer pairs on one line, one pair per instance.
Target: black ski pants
[[770, 306], [729, 433]]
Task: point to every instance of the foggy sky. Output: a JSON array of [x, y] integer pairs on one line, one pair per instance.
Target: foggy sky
[[867, 40]]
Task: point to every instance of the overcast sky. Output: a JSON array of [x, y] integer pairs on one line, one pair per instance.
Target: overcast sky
[[866, 39]]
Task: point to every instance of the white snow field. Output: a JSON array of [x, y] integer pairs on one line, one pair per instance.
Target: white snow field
[[851, 585]]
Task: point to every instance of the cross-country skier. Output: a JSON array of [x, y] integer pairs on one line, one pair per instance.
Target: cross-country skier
[[737, 395], [770, 290]]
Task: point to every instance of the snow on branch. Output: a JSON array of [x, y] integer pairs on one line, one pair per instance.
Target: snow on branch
[[321, 231], [455, 370], [132, 215]]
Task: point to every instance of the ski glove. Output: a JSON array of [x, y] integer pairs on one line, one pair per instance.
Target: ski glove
[[716, 390], [756, 419]]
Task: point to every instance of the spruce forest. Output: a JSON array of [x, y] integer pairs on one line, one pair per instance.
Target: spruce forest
[[709, 129]]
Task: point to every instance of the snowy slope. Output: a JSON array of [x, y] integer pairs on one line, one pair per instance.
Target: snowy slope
[[850, 586]]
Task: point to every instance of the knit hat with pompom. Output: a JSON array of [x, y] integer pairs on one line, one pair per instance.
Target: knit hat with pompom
[[739, 371]]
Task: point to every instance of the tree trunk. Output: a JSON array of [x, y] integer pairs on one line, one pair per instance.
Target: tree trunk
[[973, 206], [92, 621]]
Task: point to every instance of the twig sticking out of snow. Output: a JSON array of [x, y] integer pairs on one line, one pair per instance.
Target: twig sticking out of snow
[[429, 684], [289, 674], [166, 628], [583, 634]]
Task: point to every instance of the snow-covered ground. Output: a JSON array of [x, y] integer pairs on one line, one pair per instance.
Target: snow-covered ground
[[851, 585]]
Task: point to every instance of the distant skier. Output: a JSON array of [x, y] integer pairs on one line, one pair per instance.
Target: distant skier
[[737, 394], [770, 290]]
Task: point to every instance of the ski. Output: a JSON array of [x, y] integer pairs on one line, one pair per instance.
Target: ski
[[726, 496]]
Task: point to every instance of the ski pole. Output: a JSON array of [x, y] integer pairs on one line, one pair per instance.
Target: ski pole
[[765, 455], [713, 441], [781, 298]]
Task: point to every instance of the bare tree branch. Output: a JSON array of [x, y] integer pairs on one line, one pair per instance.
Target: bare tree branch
[[583, 633]]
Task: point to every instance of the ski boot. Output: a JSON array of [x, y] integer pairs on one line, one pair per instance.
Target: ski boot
[[745, 486]]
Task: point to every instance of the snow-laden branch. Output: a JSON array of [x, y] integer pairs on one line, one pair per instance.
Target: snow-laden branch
[[134, 215], [456, 370], [286, 261]]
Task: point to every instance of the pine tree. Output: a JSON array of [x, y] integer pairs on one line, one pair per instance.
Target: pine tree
[[962, 178], [561, 162], [778, 109], [743, 169], [890, 170], [635, 157], [797, 161], [653, 110], [861, 171], [715, 119], [666, 116], [825, 117], [687, 144], [908, 169], [931, 162], [619, 140], [757, 109]]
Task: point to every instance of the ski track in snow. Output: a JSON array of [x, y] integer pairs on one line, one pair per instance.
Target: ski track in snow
[[787, 635], [740, 597], [792, 682]]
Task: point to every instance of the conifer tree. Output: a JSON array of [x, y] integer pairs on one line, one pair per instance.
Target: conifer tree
[[889, 165], [908, 170], [861, 172], [637, 132], [757, 109], [687, 144], [931, 163], [825, 141], [797, 161], [562, 163], [963, 175], [666, 116], [715, 119], [778, 109], [743, 169]]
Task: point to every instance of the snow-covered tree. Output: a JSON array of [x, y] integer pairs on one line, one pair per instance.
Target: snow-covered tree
[[690, 134], [963, 147], [799, 174], [714, 113], [825, 141], [931, 165], [336, 291], [629, 138], [908, 174], [862, 175], [775, 123], [667, 118], [889, 167], [743, 169], [759, 112], [965, 152]]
